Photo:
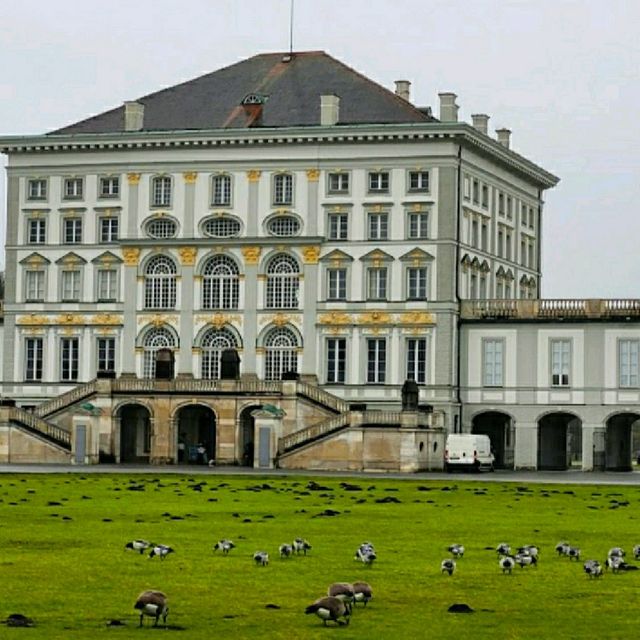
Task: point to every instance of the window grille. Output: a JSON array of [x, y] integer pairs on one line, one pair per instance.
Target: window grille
[[214, 342], [156, 339], [220, 283], [160, 284], [223, 227], [283, 281], [281, 353]]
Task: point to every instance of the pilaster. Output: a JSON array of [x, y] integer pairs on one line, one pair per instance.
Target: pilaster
[[132, 208], [253, 177], [129, 331], [188, 213], [187, 262], [310, 257], [526, 449], [250, 325]]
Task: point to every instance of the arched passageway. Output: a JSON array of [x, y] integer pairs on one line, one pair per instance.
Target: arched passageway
[[246, 436], [135, 433], [196, 435], [622, 429], [559, 441], [499, 427]]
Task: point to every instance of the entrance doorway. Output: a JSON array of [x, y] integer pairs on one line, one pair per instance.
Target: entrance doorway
[[135, 433], [559, 441], [498, 426], [196, 435], [622, 441], [246, 437]]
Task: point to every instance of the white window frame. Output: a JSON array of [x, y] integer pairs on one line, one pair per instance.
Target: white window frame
[[73, 188], [160, 283], [336, 361], [377, 283], [72, 231], [109, 187], [221, 227], [105, 354], [36, 231], [213, 343], [33, 359], [109, 229], [628, 362], [161, 191], [379, 182], [417, 283], [282, 189], [106, 284], [70, 285], [418, 181], [283, 283], [37, 188], [336, 283], [69, 359], [220, 283], [34, 285], [560, 362], [493, 362], [337, 226], [376, 360], [221, 190], [162, 227], [156, 339], [418, 225], [378, 225], [281, 353], [416, 350], [338, 182]]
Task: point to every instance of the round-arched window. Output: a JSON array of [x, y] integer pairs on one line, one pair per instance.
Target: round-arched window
[[283, 226], [161, 228], [221, 227]]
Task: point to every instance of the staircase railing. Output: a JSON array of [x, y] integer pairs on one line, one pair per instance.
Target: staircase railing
[[76, 394], [32, 422], [297, 438], [322, 397]]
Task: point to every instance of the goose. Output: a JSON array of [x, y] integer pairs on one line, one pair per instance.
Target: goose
[[224, 545], [261, 558], [138, 545], [574, 553], [456, 550], [161, 550], [448, 566], [152, 604], [563, 548], [616, 552], [530, 550], [341, 590], [330, 608], [300, 545], [503, 549], [506, 563], [525, 560], [593, 568], [366, 553], [362, 592], [286, 550], [636, 551]]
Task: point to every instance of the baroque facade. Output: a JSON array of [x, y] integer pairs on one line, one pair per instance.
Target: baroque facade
[[289, 210]]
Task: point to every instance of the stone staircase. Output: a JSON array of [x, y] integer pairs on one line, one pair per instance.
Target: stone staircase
[[35, 425]]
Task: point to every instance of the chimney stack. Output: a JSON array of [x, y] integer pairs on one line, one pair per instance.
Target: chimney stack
[[448, 107], [480, 121], [403, 89], [504, 137], [133, 116], [329, 110]]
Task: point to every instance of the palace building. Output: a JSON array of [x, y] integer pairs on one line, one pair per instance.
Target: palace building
[[255, 262]]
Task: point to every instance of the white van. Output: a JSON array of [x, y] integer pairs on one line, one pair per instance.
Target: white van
[[468, 451]]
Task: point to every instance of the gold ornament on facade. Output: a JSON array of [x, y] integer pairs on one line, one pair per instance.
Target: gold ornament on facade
[[156, 319], [70, 318], [254, 175], [33, 331], [103, 331], [106, 318], [32, 318], [131, 256], [374, 317], [35, 260], [251, 254], [219, 320], [310, 255], [417, 207], [187, 256], [335, 317], [416, 317], [282, 211], [338, 209], [280, 319], [133, 178], [190, 177], [313, 175]]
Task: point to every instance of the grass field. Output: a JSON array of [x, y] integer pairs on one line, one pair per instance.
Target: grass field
[[63, 562]]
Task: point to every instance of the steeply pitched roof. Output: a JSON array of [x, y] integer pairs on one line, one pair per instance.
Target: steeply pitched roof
[[291, 90]]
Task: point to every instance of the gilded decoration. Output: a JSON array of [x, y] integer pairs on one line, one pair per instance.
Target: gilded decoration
[[131, 256], [157, 319], [416, 317], [374, 317], [32, 318], [251, 254], [335, 317], [187, 256], [338, 209], [254, 175], [280, 319], [219, 320], [103, 331], [106, 318], [70, 318], [313, 175], [33, 331], [190, 177], [133, 178], [35, 260], [310, 255]]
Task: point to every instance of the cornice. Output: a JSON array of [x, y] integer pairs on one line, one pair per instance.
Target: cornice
[[460, 133]]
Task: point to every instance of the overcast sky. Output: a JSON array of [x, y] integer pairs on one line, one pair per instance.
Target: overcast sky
[[562, 75]]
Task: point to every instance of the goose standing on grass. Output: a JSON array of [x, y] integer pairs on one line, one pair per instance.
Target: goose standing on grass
[[366, 553], [616, 552], [362, 592], [503, 549], [448, 566], [530, 550], [574, 553], [138, 545], [161, 550], [593, 568], [456, 550], [261, 558], [341, 590], [507, 563], [636, 551], [286, 550], [300, 545], [525, 560], [152, 604], [330, 608], [224, 545], [562, 548]]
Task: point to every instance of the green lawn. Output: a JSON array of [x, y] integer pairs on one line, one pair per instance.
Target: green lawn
[[65, 564]]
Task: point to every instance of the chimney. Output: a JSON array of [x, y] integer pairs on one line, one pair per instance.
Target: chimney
[[480, 121], [133, 116], [329, 110], [448, 107], [403, 89], [504, 137]]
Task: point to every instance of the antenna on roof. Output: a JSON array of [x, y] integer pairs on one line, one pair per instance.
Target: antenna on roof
[[287, 58]]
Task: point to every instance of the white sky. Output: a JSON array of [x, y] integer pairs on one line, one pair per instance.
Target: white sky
[[562, 75]]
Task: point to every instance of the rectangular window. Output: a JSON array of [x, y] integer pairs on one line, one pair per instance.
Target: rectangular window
[[221, 191], [417, 283], [336, 284], [336, 360], [417, 360], [34, 286], [493, 351], [379, 182], [485, 196], [476, 192], [161, 191], [500, 243], [338, 226], [499, 289], [69, 359], [523, 253], [376, 360], [338, 182], [531, 252], [37, 231], [70, 286], [377, 283], [73, 188], [108, 230], [418, 226], [474, 233], [419, 181], [507, 248], [37, 189], [484, 233], [628, 351], [467, 188], [509, 207], [283, 188], [501, 204], [107, 285], [473, 286], [378, 226], [106, 351], [72, 230], [483, 286], [33, 359], [560, 362], [110, 187]]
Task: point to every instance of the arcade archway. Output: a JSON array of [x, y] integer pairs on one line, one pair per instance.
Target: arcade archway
[[196, 433], [559, 441], [246, 436], [135, 433], [499, 427], [622, 430]]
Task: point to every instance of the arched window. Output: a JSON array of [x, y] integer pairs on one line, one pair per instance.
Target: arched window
[[281, 353], [283, 226], [161, 228], [214, 342], [221, 227], [220, 283], [283, 282], [160, 283], [155, 339]]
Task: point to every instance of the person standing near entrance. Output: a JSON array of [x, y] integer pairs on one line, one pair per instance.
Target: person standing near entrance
[[202, 453]]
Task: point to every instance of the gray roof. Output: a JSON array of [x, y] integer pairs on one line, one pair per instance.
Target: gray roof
[[291, 91]]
